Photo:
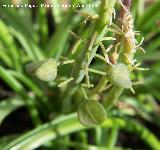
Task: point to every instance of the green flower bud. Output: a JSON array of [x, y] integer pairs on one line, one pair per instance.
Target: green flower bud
[[119, 75], [45, 70], [91, 113]]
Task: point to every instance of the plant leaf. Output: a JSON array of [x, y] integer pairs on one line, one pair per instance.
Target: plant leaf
[[7, 106]]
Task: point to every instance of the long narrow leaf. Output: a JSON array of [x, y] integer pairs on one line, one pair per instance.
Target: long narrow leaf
[[18, 88], [70, 124], [7, 106]]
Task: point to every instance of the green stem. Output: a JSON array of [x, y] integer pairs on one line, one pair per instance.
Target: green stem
[[113, 138], [115, 92], [99, 29], [112, 97], [65, 82], [101, 85], [97, 72]]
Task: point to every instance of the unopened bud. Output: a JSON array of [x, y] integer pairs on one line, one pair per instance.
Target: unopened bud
[[119, 75], [45, 70], [91, 113]]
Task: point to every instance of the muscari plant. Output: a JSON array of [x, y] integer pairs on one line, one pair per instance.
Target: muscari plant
[[96, 69], [118, 58]]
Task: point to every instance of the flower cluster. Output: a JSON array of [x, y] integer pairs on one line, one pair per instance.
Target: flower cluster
[[118, 58]]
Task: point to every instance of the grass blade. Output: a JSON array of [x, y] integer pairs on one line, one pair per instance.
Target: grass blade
[[69, 124], [7, 106]]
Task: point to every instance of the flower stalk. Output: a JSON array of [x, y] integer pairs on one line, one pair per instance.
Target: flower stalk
[[118, 58]]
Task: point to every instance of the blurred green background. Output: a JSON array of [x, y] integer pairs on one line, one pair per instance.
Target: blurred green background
[[34, 115]]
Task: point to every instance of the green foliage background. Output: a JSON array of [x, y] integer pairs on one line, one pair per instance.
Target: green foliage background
[[28, 35]]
